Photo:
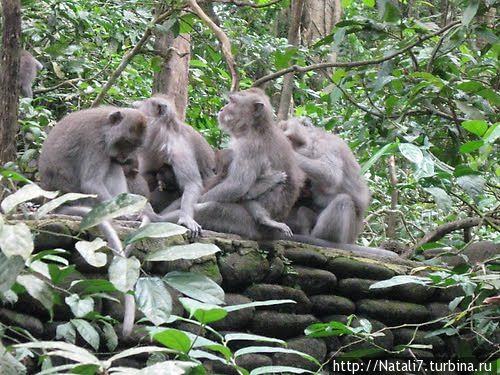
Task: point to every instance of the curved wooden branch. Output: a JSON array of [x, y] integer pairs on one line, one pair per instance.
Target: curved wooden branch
[[248, 3], [224, 42], [303, 69], [130, 55]]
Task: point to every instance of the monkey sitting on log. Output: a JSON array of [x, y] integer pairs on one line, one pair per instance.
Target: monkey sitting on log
[[28, 68], [171, 142], [339, 194]]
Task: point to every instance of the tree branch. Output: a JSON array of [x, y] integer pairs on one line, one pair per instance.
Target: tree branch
[[130, 55], [248, 3], [304, 69], [224, 42]]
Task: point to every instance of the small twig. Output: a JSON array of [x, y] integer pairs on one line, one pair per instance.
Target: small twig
[[223, 39], [303, 69], [248, 3]]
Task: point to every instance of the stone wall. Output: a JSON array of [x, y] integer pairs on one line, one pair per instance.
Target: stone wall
[[327, 284]]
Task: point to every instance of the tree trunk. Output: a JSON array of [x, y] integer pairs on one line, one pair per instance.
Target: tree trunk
[[173, 77], [320, 16], [9, 72], [293, 40]]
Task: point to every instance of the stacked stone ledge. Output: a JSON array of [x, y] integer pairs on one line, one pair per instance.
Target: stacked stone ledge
[[327, 284]]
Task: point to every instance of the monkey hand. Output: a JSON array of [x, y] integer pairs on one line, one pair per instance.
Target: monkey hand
[[285, 229], [191, 224], [282, 177]]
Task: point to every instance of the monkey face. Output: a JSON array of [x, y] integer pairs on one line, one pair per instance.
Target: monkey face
[[245, 110], [126, 133], [159, 106]]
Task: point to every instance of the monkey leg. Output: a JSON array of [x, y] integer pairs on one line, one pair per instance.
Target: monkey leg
[[302, 220], [338, 222], [222, 217], [261, 216]]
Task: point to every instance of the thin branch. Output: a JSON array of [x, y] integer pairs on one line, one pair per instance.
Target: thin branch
[[130, 55], [223, 39], [248, 3], [304, 69]]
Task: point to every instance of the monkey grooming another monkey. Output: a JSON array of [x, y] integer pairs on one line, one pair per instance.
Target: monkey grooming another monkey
[[340, 195], [171, 142], [258, 147], [28, 68], [136, 184]]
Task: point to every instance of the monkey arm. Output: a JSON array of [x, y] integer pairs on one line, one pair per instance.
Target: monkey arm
[[321, 172], [242, 174], [265, 183]]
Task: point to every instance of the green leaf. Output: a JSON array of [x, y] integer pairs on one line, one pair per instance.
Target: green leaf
[[370, 3], [470, 12], [88, 333], [490, 96], [94, 286], [477, 127], [26, 193], [191, 251], [470, 86], [279, 370], [338, 74], [123, 204], [411, 152], [14, 176], [64, 349], [492, 134], [282, 59], [67, 332], [441, 197], [110, 337], [37, 289], [196, 286], [88, 250], [332, 328], [388, 11], [250, 337], [124, 272], [156, 230], [472, 185], [153, 299], [79, 306], [10, 268], [203, 312], [471, 146], [388, 149], [55, 203], [258, 304], [16, 240], [425, 168], [400, 280], [174, 339]]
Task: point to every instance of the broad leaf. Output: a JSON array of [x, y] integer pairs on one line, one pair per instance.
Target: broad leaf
[[258, 304], [156, 230], [250, 337], [196, 286], [26, 193], [88, 333], [174, 339], [79, 306], [203, 312], [88, 250], [124, 272], [388, 149], [16, 240], [109, 335], [63, 349], [470, 12], [472, 185], [400, 280], [123, 204], [67, 332], [191, 251], [471, 146], [10, 268], [411, 152], [55, 203], [478, 127], [37, 289], [153, 299], [441, 197], [279, 370]]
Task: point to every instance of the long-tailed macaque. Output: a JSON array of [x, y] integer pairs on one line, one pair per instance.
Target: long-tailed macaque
[[339, 194], [259, 148], [171, 142], [85, 153], [28, 68]]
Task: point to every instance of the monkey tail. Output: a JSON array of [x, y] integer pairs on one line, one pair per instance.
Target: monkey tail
[[360, 250]]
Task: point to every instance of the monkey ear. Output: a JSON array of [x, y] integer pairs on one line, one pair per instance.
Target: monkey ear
[[115, 117]]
